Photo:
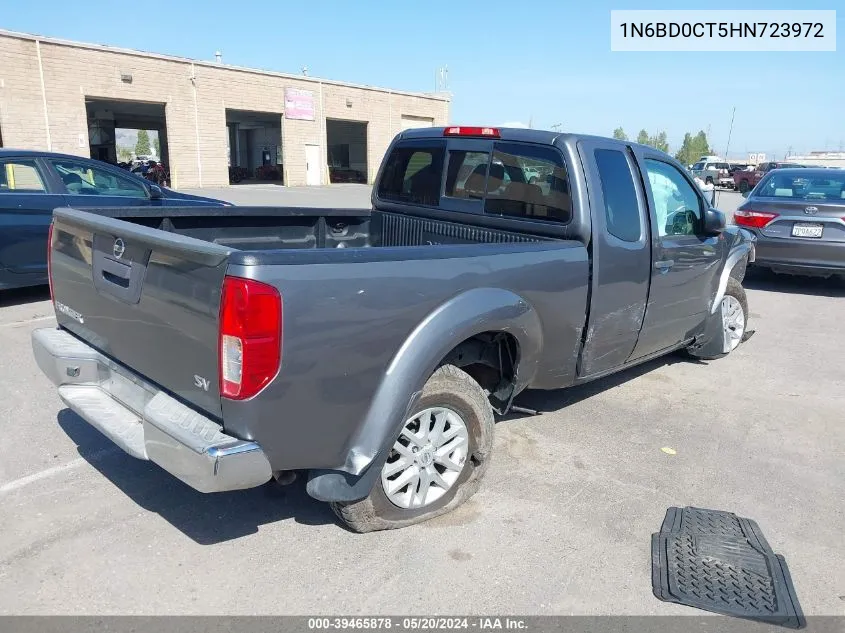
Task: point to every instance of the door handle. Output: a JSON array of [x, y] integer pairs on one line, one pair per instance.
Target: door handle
[[664, 265]]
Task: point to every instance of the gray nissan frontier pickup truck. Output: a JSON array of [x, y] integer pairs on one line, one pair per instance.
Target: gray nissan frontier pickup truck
[[369, 349]]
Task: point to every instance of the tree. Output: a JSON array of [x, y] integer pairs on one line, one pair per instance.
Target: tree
[[157, 145], [693, 148], [659, 142], [142, 147], [643, 137], [619, 134]]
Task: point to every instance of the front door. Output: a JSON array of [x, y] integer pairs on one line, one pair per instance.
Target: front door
[[685, 262], [312, 165], [26, 210]]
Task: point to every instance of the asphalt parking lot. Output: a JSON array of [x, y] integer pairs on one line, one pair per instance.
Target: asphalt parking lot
[[561, 525]]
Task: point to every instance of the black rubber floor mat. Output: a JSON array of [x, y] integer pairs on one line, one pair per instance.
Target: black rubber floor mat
[[719, 562]]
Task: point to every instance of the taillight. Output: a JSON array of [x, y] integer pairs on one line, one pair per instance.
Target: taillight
[[49, 255], [753, 219], [250, 344], [472, 131]]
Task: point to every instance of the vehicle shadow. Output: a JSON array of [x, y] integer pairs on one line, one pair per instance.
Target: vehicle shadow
[[205, 518], [21, 296], [550, 401], [761, 279]]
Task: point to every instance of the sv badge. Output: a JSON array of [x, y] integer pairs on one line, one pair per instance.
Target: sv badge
[[202, 383]]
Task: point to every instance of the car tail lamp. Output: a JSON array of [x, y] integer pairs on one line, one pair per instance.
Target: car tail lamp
[[49, 255], [250, 344], [753, 219], [492, 132]]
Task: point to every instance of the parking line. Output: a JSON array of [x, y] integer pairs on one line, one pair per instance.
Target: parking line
[[26, 321], [56, 470]]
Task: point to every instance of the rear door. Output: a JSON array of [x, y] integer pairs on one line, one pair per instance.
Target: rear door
[[88, 184], [26, 207], [685, 262], [621, 256], [148, 299]]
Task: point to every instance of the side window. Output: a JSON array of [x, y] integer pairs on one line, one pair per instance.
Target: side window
[[620, 198], [676, 204], [528, 181], [20, 176], [82, 178], [413, 173], [466, 174], [698, 166]]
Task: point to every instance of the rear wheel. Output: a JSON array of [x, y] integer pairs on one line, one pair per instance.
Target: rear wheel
[[743, 186], [709, 181], [436, 462]]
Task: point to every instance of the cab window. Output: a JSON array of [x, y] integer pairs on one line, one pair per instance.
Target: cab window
[[676, 204], [413, 173], [528, 181]]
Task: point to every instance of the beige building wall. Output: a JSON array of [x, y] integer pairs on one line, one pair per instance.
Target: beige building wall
[[195, 95]]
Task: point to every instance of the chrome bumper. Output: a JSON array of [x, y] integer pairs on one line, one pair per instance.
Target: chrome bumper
[[145, 422]]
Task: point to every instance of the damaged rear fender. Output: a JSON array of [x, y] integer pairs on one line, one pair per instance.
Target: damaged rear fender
[[462, 317]]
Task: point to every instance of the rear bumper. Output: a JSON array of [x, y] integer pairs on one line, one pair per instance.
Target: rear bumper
[[802, 257], [144, 421]]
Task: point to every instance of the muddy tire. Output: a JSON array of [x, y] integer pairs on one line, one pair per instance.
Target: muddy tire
[[437, 461]]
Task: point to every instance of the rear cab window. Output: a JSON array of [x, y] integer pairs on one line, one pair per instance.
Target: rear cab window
[[498, 178], [413, 173]]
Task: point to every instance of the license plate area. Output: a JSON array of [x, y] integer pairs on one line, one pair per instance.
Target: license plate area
[[807, 229]]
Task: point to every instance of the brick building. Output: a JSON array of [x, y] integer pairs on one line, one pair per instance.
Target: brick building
[[70, 97]]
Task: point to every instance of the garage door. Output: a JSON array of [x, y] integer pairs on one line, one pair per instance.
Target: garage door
[[409, 122]]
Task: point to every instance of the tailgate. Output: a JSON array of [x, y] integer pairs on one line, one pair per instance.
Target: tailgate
[[147, 298]]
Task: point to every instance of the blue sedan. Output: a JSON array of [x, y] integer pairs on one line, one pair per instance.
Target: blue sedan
[[34, 183]]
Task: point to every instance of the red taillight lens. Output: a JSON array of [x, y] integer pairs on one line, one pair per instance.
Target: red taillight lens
[[471, 131], [753, 219], [49, 254], [250, 344]]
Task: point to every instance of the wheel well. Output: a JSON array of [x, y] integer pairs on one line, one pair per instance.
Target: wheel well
[[491, 358]]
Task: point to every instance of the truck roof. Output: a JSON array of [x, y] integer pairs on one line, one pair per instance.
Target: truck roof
[[546, 137]]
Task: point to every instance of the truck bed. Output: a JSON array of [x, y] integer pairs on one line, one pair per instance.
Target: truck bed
[[143, 287], [272, 228]]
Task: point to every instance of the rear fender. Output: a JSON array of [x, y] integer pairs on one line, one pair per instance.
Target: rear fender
[[465, 315]]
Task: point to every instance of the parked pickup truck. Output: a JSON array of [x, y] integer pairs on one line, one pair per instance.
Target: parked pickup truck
[[746, 180], [370, 349]]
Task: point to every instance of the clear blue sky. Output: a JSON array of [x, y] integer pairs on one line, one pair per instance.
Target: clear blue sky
[[547, 61]]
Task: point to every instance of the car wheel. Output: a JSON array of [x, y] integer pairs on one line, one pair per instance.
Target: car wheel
[[435, 463], [708, 181], [743, 186], [734, 311]]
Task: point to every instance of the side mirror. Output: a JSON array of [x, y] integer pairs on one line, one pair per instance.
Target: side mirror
[[155, 192], [714, 221]]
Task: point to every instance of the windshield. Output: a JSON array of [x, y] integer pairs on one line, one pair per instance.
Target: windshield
[[814, 185]]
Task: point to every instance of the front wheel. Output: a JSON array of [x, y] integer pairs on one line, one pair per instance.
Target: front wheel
[[734, 311], [732, 323], [436, 462]]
